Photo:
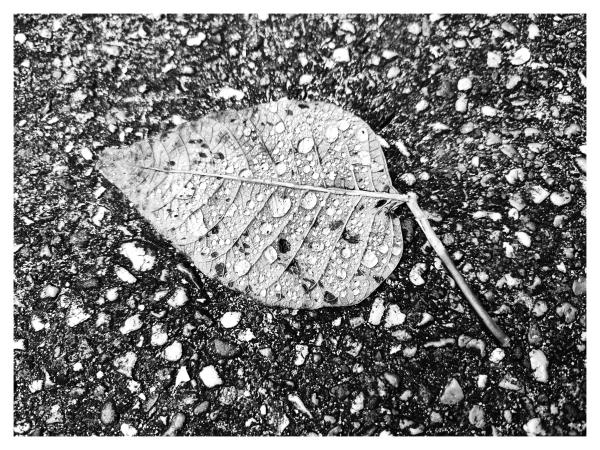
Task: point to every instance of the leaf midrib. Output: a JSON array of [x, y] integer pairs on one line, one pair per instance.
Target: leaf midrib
[[400, 198]]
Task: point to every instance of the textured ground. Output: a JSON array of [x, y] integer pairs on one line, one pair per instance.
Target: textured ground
[[483, 155]]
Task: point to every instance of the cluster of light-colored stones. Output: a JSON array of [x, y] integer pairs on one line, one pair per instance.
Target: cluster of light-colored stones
[[288, 246]]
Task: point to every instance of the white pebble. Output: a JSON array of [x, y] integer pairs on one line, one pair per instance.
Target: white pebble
[[179, 298], [174, 351], [341, 55], [534, 427], [86, 153], [158, 336], [132, 323], [521, 56], [230, 319], [305, 79], [377, 311], [124, 275], [393, 72], [415, 275], [414, 28], [464, 84], [538, 194], [20, 38], [228, 93], [461, 103], [533, 31], [497, 355], [493, 59], [192, 42], [49, 292], [210, 377], [560, 199], [394, 316], [523, 238], [488, 111], [128, 430], [422, 105], [539, 363], [140, 258]]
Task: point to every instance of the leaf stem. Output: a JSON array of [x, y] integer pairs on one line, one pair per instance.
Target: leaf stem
[[443, 254]]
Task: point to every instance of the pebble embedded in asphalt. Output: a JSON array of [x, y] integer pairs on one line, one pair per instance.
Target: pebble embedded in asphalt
[[453, 393]]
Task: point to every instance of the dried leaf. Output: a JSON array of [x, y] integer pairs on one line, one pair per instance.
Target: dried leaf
[[282, 201]]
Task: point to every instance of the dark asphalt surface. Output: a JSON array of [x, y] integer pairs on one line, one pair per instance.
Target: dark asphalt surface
[[499, 163]]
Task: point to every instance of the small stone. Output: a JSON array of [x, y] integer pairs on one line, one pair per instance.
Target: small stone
[[210, 377], [230, 319], [132, 323], [394, 316], [538, 194], [464, 84], [513, 81], [422, 105], [392, 378], [579, 286], [305, 79], [141, 258], [377, 310], [109, 413], [453, 393], [568, 311], [497, 355], [86, 153], [228, 93], [20, 38], [477, 416], [179, 298], [509, 27], [158, 336], [358, 404], [488, 111], [341, 55], [197, 40], [493, 59], [128, 430], [533, 31], [124, 275], [202, 408], [416, 274], [521, 56], [177, 422], [414, 28], [393, 72], [534, 427], [174, 351], [301, 354], [182, 376], [461, 105], [560, 199], [45, 33], [49, 292], [523, 238], [124, 364], [226, 349]]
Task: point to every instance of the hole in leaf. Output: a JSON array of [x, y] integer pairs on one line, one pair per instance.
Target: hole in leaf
[[221, 269], [283, 245], [330, 298]]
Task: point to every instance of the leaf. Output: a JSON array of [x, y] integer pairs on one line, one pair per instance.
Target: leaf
[[290, 203], [271, 200]]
